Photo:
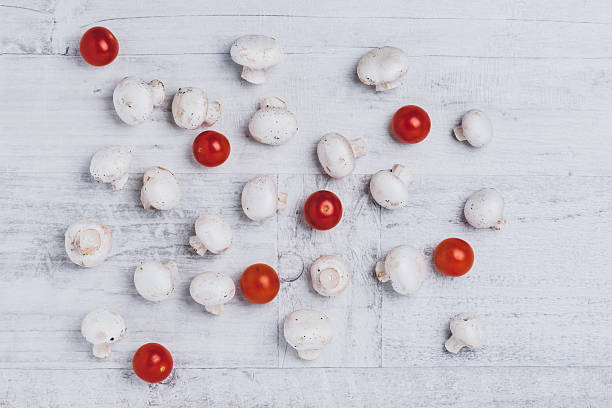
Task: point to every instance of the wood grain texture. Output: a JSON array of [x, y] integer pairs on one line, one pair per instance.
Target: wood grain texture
[[542, 284]]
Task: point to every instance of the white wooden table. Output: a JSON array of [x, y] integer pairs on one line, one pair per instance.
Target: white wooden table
[[543, 285]]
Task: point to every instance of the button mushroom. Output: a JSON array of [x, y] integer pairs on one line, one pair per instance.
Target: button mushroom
[[308, 332], [154, 281], [383, 68], [88, 243], [405, 267], [390, 188], [261, 199], [256, 53], [337, 154], [191, 109], [111, 165], [212, 290], [330, 275], [466, 331], [273, 124], [103, 328], [475, 127], [212, 234], [485, 209], [134, 99], [160, 189]]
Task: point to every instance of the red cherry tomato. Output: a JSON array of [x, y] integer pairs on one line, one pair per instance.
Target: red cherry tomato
[[259, 283], [453, 257], [99, 46], [152, 362], [323, 210], [211, 149], [410, 124]]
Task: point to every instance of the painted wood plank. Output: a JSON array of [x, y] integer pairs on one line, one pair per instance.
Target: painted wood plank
[[459, 387], [537, 127]]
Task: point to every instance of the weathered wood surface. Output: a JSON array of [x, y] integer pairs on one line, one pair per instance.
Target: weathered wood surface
[[542, 285]]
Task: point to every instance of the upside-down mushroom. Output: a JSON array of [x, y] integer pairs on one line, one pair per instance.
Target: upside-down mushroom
[[88, 243], [329, 275]]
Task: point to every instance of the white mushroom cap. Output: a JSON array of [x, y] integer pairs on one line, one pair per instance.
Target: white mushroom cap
[[466, 331], [191, 109], [212, 234], [160, 189], [103, 328], [111, 165], [475, 127], [273, 124], [405, 267], [212, 290], [256, 53], [337, 154], [383, 67], [390, 188], [308, 332], [261, 199], [330, 275], [134, 99], [154, 281], [485, 209], [88, 243]]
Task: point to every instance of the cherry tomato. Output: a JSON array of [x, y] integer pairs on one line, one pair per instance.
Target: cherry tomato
[[453, 257], [152, 362], [323, 210], [99, 46], [410, 124], [259, 283], [211, 149]]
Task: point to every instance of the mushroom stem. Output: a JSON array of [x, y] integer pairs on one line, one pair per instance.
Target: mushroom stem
[[458, 131], [173, 268], [281, 201], [311, 354], [101, 350], [385, 86], [120, 183], [273, 102], [402, 173], [197, 245], [453, 345], [214, 309], [359, 147], [158, 91], [88, 241], [381, 272], [499, 224], [213, 113], [254, 76], [329, 278]]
